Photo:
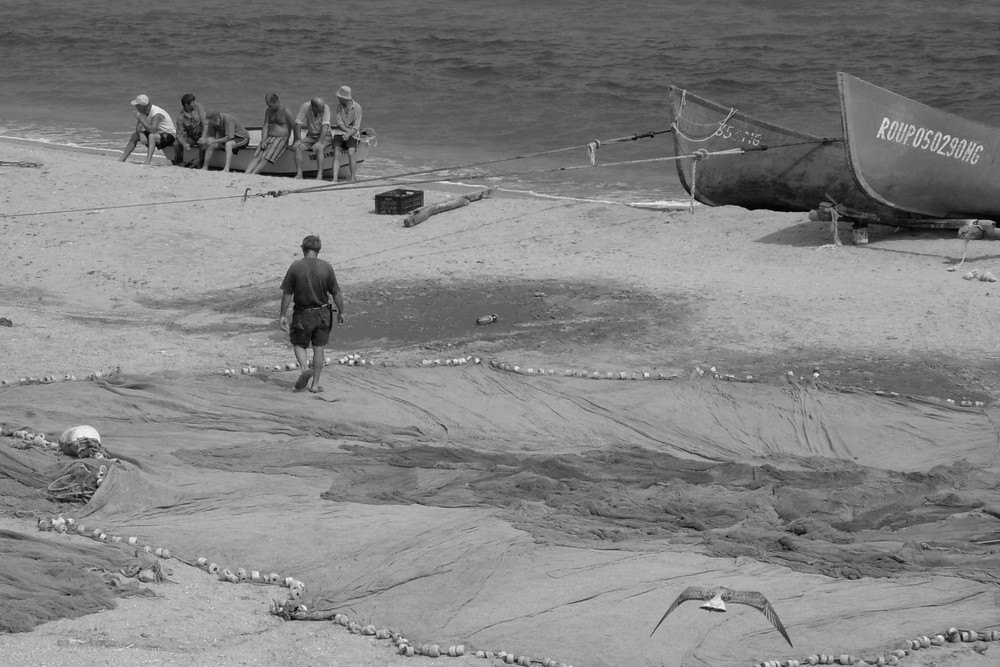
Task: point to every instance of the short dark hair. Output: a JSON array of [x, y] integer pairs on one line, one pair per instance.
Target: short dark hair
[[187, 98], [311, 242]]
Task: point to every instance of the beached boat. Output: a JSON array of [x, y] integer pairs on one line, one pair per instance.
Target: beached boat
[[917, 158], [285, 164], [776, 169]]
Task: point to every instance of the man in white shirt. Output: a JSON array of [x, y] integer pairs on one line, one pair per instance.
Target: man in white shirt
[[153, 128]]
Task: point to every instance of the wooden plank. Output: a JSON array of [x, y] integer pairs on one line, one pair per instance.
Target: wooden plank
[[419, 215]]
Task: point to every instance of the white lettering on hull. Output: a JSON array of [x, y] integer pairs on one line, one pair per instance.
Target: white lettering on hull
[[933, 141]]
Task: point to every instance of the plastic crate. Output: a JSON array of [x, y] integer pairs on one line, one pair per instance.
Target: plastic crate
[[396, 202]]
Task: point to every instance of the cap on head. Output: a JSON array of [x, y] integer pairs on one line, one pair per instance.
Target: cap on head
[[140, 100], [271, 98], [344, 93], [311, 242]]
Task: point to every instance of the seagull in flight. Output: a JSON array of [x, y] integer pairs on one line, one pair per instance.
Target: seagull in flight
[[716, 599]]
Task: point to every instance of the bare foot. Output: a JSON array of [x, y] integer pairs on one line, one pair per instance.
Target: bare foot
[[298, 176], [316, 390]]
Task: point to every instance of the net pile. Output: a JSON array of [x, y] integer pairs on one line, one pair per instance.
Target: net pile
[[560, 516]]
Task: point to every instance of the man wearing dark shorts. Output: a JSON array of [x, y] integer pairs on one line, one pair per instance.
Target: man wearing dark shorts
[[225, 130], [153, 128], [346, 129], [307, 283]]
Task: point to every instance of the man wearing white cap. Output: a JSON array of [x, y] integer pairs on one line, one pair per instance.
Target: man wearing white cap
[[154, 128], [346, 128]]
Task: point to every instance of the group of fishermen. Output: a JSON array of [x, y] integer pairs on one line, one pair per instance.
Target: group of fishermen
[[313, 129]]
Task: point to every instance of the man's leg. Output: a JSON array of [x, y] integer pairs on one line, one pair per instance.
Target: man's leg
[[318, 362], [301, 356], [209, 150], [354, 164], [132, 141], [229, 154], [299, 147], [320, 157], [337, 151], [151, 141]]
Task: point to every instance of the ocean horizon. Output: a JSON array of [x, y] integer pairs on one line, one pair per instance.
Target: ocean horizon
[[445, 84]]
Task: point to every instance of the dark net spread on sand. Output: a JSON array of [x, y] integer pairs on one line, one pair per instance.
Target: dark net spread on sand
[[551, 515]]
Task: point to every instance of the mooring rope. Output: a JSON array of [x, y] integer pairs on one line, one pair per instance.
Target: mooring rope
[[590, 146], [396, 179], [477, 176], [20, 163]]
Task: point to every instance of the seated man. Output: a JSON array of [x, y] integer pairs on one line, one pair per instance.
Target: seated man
[[279, 125], [153, 128], [346, 128], [314, 118], [226, 130], [191, 127]]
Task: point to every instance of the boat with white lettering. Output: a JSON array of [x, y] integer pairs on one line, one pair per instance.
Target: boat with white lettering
[[743, 161], [285, 164], [914, 157]]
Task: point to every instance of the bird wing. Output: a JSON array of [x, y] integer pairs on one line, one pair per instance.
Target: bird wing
[[759, 602], [690, 593]]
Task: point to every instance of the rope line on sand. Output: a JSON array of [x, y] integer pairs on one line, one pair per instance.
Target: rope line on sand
[[106, 208], [395, 179], [590, 146], [20, 163]]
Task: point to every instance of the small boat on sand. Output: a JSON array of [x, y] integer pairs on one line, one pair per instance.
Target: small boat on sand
[[767, 166], [285, 164], [913, 157]]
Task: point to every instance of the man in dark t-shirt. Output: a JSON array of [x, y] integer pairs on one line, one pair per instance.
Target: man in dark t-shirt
[[307, 284]]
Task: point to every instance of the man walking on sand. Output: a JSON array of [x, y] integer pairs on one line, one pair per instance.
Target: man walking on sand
[[307, 283]]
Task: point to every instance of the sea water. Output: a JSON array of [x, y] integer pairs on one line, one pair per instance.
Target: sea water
[[449, 84]]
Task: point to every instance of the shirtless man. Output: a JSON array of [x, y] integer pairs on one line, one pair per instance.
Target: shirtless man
[[153, 127], [279, 125]]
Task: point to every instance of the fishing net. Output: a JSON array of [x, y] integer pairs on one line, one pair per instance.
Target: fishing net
[[556, 516]]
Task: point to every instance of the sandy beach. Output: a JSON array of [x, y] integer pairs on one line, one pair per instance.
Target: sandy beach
[[173, 274]]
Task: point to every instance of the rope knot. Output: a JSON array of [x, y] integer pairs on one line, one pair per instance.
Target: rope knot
[[701, 154]]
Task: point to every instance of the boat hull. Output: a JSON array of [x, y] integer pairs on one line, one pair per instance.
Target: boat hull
[[917, 158], [781, 170], [285, 164]]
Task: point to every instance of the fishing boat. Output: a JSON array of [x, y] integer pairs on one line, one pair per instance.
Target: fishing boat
[[910, 156], [741, 161], [285, 164]]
